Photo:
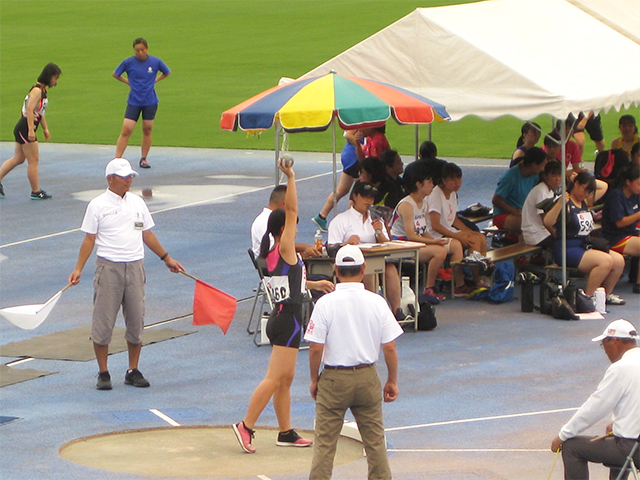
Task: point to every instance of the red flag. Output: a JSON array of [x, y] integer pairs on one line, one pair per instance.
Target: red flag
[[212, 307]]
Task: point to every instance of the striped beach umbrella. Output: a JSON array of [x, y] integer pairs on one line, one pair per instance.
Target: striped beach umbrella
[[311, 104]]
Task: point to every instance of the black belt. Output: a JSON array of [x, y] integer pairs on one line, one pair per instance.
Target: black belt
[[354, 367]]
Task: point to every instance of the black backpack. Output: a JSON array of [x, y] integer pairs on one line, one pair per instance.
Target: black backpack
[[427, 317]]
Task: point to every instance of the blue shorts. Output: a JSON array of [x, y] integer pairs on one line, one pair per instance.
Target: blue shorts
[[574, 252], [133, 112]]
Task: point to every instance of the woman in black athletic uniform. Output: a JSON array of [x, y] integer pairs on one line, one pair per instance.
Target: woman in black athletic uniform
[[26, 147], [287, 283]]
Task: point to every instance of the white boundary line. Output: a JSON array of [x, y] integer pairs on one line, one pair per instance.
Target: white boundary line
[[479, 419], [168, 209], [164, 417], [458, 450]]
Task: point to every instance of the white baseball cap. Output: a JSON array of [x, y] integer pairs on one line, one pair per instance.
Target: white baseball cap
[[620, 328], [119, 167], [349, 256]]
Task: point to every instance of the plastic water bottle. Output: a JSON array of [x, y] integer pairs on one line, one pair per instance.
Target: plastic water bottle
[[601, 300], [408, 295], [317, 240]]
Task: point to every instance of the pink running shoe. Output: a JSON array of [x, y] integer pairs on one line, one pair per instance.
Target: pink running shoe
[[462, 291], [291, 439], [244, 436], [433, 293]]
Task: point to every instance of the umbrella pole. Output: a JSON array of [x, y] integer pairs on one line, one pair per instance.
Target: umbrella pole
[[335, 175], [417, 140]]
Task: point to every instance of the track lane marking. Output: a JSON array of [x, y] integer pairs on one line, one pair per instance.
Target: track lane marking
[[480, 419], [162, 210], [480, 450], [164, 417]]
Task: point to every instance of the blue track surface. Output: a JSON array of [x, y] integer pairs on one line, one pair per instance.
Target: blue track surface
[[481, 396]]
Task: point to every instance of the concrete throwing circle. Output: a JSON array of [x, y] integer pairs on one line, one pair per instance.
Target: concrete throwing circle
[[203, 452]]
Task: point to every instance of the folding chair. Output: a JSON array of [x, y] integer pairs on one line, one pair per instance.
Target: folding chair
[[629, 465], [262, 294]]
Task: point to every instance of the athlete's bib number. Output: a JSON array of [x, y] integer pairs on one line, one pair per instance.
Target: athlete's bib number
[[278, 288], [585, 221]]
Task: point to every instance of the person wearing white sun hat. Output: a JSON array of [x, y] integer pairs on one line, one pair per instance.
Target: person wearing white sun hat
[[619, 394]]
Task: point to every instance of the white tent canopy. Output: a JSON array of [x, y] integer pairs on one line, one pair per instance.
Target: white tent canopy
[[507, 57], [621, 15]]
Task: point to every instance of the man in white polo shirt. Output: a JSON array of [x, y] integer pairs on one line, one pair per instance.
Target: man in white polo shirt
[[619, 394], [118, 223], [346, 330]]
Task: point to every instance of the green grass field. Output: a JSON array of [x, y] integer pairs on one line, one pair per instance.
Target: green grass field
[[221, 52]]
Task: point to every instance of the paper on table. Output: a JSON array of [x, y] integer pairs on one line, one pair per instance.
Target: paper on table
[[369, 245]]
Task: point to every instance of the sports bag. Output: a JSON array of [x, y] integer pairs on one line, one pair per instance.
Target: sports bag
[[427, 317], [503, 283]]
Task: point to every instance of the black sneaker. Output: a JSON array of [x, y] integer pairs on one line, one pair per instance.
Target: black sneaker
[[144, 164], [400, 315], [292, 439], [1, 190], [40, 195], [104, 381], [134, 377]]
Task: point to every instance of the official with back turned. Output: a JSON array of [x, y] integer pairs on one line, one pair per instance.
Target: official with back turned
[[346, 330]]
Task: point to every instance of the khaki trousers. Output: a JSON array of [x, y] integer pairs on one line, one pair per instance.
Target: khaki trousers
[[116, 285], [361, 392]]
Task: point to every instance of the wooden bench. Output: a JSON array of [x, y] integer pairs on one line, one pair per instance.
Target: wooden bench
[[503, 254]]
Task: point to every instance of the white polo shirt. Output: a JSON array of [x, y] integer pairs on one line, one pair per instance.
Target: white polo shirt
[[118, 223], [352, 323], [619, 394], [258, 229], [350, 223]]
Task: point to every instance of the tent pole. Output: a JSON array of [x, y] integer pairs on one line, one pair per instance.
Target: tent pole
[[277, 173], [335, 175], [563, 229]]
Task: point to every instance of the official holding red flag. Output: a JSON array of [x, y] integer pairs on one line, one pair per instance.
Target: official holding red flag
[[119, 224]]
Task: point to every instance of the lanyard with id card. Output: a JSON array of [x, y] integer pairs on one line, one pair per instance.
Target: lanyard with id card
[[138, 221]]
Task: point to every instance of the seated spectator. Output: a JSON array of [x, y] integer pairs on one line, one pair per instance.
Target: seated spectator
[[602, 268], [372, 171], [428, 154], [621, 217], [629, 134], [572, 150], [259, 225], [533, 229], [351, 156], [530, 134], [552, 146], [392, 182], [513, 188], [410, 223], [355, 226], [593, 125], [445, 223], [635, 154]]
